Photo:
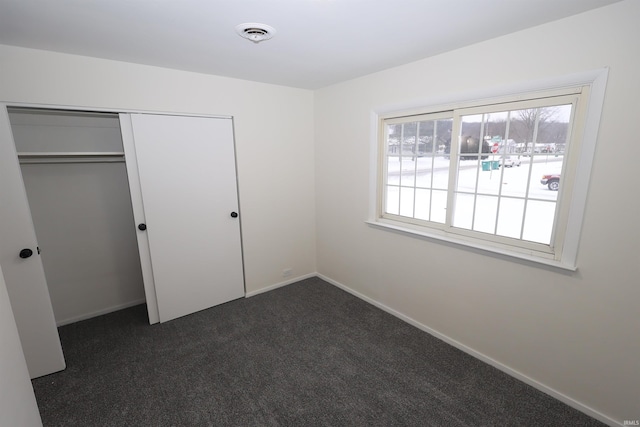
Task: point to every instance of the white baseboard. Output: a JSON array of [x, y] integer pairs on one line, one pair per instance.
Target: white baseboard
[[504, 368], [99, 312], [279, 285]]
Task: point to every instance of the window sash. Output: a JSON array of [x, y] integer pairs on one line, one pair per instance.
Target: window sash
[[570, 96]]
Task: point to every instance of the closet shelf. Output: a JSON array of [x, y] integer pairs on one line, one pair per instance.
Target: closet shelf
[[71, 157]]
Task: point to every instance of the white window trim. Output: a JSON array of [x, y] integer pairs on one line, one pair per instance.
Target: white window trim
[[568, 258]]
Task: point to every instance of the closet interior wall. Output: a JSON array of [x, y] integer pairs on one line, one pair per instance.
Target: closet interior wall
[[76, 182]]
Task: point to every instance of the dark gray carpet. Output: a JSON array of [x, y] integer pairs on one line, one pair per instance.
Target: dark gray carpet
[[308, 354]]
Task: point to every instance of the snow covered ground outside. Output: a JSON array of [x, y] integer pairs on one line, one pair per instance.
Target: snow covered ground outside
[[504, 206]]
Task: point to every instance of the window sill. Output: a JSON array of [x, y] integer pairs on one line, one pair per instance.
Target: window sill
[[478, 245]]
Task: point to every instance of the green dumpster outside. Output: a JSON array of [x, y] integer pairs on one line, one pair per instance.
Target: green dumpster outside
[[486, 166], [495, 164]]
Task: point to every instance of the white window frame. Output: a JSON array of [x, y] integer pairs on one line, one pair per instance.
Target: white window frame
[[570, 204]]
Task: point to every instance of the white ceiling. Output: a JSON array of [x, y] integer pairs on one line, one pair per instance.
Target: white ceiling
[[318, 42]]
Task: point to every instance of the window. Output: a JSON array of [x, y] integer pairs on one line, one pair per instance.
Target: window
[[496, 175]]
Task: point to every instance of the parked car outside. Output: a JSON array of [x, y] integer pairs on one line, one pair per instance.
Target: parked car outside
[[551, 180], [509, 161]]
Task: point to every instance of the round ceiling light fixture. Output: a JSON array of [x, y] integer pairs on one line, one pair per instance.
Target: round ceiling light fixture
[[255, 32]]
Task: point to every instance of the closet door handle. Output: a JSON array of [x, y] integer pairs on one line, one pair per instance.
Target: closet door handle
[[234, 214], [142, 226], [26, 253]]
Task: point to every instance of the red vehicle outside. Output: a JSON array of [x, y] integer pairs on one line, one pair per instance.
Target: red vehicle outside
[[552, 181]]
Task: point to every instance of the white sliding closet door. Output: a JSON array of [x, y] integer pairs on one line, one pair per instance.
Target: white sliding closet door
[[23, 271], [187, 176]]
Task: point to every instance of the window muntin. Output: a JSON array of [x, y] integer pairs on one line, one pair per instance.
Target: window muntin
[[414, 186], [459, 185]]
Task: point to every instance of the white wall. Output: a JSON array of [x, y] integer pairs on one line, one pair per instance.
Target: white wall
[[17, 402], [576, 334], [273, 128]]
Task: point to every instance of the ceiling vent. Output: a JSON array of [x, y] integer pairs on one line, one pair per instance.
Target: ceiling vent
[[255, 32]]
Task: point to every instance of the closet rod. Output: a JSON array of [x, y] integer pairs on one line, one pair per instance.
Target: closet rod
[[71, 157]]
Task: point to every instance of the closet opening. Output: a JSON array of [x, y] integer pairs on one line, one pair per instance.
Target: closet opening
[[75, 177]]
